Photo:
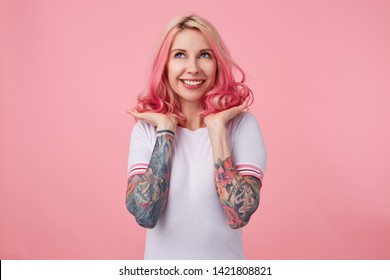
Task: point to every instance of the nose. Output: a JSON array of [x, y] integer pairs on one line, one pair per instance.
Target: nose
[[193, 67]]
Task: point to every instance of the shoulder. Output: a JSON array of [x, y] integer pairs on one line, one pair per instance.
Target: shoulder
[[143, 125], [246, 117], [143, 128], [243, 119]]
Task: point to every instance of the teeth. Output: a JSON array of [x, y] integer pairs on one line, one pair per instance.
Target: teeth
[[192, 83]]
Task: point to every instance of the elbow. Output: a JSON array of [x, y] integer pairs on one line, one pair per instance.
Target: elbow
[[237, 225], [141, 216], [145, 220], [242, 220], [146, 223]]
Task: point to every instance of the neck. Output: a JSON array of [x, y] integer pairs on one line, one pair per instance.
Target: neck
[[190, 111], [194, 122]]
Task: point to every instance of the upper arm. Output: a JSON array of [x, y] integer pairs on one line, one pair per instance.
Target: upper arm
[[140, 150], [139, 156], [248, 148]]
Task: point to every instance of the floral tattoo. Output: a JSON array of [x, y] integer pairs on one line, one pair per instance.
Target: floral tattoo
[[238, 195]]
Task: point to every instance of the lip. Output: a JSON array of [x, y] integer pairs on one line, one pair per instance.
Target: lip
[[192, 86]]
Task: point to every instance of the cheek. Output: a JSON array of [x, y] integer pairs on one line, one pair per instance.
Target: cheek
[[173, 71], [213, 71]]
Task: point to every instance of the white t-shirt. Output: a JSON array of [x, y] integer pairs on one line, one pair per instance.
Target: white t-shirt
[[193, 224]]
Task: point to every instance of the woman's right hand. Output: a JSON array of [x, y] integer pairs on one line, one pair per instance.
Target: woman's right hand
[[160, 121]]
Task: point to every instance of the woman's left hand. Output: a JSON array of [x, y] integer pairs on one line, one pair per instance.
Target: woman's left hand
[[217, 121]]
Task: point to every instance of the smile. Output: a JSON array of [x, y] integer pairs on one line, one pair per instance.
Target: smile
[[192, 82]]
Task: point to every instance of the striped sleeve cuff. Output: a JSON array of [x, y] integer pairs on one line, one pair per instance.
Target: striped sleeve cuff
[[136, 169], [247, 169]]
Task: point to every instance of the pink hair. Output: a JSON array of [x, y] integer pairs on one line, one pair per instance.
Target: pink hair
[[227, 93]]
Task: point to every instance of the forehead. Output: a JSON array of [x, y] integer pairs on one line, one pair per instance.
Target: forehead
[[190, 39]]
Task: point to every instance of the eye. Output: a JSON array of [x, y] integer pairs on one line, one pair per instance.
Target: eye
[[179, 55], [205, 55]]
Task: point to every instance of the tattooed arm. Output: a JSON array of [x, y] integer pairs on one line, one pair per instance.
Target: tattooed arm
[[238, 195], [147, 194]]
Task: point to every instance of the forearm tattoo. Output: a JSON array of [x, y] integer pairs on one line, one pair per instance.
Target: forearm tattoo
[[147, 194], [238, 195]]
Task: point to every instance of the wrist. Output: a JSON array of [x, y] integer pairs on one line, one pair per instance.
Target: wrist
[[166, 126], [165, 132]]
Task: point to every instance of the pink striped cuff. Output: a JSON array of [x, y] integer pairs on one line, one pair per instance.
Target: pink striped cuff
[[247, 169], [138, 168]]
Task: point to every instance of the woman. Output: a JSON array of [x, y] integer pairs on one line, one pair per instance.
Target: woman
[[196, 161]]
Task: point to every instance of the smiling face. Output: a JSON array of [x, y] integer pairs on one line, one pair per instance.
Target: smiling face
[[191, 67]]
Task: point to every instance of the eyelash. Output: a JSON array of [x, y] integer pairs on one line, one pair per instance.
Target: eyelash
[[203, 53], [177, 54]]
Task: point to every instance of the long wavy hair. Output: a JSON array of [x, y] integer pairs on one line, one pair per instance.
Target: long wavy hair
[[159, 97]]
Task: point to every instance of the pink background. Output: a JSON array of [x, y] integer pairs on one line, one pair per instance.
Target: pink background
[[319, 70]]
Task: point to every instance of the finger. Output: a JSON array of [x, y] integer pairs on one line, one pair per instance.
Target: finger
[[234, 111], [242, 106], [133, 112], [140, 116], [245, 103]]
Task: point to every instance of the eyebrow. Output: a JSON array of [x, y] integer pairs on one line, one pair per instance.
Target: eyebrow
[[202, 50]]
